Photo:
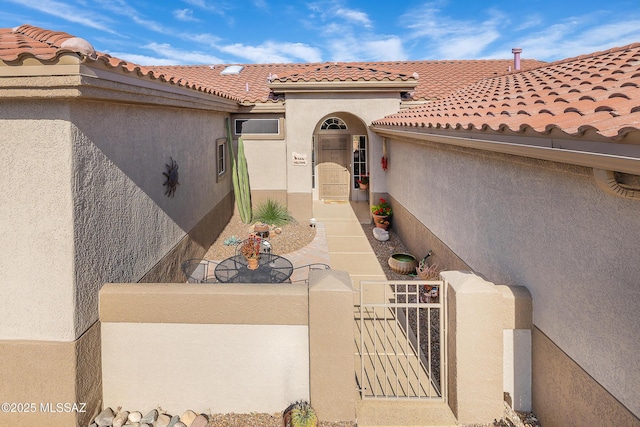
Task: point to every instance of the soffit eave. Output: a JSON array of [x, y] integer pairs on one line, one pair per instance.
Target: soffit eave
[[344, 86], [599, 155]]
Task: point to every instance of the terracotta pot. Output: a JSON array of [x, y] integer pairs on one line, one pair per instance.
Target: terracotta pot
[[252, 263], [377, 218], [381, 225], [363, 186], [403, 263]]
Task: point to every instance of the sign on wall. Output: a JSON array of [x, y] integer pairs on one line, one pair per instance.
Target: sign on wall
[[298, 159]]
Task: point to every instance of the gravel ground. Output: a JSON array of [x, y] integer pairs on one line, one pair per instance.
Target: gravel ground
[[260, 420], [294, 236]]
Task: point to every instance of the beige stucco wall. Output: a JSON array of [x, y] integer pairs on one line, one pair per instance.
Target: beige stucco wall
[[548, 227], [225, 348], [37, 229], [87, 203], [304, 112], [124, 223], [205, 367]]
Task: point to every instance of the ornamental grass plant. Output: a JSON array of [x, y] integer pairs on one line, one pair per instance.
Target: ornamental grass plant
[[272, 212]]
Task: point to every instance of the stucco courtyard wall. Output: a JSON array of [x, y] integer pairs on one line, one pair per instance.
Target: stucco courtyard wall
[[543, 225]]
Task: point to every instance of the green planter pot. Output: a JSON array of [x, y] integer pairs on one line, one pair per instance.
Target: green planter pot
[[403, 263]]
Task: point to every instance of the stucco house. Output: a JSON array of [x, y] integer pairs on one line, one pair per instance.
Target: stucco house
[[525, 172]]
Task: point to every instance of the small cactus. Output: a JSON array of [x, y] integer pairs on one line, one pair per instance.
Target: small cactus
[[303, 415]]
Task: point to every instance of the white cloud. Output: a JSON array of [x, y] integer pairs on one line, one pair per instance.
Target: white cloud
[[350, 49], [69, 13], [576, 36], [142, 59], [185, 15], [218, 6], [272, 52], [175, 56], [354, 16], [450, 38], [467, 46]]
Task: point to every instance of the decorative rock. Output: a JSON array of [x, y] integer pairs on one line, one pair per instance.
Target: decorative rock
[[200, 421], [120, 419], [188, 417], [381, 234], [136, 424], [179, 424], [150, 417], [105, 418], [162, 421], [135, 417], [146, 425], [174, 420]]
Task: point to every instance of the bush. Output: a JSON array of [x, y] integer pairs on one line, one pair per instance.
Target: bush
[[273, 213]]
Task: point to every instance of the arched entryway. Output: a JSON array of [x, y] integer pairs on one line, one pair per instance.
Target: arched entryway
[[340, 157]]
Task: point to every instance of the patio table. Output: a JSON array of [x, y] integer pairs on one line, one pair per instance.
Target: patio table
[[271, 269]]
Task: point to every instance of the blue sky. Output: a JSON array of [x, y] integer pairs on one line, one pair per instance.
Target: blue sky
[[152, 32]]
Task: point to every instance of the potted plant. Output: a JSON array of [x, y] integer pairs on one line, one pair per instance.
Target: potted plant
[[250, 249], [300, 414], [381, 211], [382, 223], [363, 182]]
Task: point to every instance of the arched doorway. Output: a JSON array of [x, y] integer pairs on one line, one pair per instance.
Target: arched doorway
[[341, 147]]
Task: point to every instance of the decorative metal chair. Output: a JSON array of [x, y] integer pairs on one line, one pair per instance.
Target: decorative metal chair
[[300, 274], [199, 270]]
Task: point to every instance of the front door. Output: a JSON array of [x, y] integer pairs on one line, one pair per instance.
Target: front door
[[334, 156]]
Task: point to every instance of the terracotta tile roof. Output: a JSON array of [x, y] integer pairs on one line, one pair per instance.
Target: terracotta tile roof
[[599, 92], [27, 41], [436, 79], [47, 46], [342, 72]]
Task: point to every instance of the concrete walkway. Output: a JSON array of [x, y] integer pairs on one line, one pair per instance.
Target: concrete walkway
[[350, 251], [349, 248]]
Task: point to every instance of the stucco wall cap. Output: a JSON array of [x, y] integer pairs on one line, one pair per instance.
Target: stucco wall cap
[[468, 282], [329, 280]]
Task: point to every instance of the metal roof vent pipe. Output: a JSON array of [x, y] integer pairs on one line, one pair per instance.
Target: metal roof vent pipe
[[516, 57]]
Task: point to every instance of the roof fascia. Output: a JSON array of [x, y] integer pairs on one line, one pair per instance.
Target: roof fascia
[[76, 80], [262, 107], [344, 86], [599, 155]]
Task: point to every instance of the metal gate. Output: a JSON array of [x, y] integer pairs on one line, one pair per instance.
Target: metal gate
[[401, 348]]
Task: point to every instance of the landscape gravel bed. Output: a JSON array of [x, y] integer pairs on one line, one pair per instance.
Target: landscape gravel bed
[[292, 236]]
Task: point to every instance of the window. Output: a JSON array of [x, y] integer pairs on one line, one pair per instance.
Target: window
[[333, 123], [221, 157], [257, 126], [360, 169]]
